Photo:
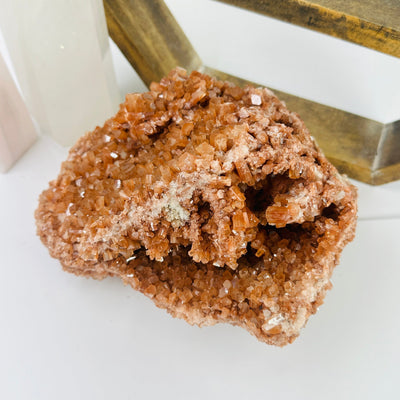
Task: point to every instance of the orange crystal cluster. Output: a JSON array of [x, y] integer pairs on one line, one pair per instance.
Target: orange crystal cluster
[[211, 199]]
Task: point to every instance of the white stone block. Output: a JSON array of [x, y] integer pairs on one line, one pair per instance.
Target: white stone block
[[61, 55], [17, 132]]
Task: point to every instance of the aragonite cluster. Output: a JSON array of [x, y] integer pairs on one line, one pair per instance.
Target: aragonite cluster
[[211, 199]]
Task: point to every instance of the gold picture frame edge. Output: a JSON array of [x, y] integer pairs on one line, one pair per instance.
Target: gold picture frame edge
[[154, 43], [356, 21]]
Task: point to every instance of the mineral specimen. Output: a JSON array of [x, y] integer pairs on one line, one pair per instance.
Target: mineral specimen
[[211, 199]]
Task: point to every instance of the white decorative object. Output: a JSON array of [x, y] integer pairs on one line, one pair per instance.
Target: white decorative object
[[61, 55], [17, 132]]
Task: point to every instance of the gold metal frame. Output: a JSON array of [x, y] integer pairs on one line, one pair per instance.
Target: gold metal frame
[[153, 42]]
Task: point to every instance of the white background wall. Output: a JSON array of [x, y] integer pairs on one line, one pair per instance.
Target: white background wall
[[293, 59]]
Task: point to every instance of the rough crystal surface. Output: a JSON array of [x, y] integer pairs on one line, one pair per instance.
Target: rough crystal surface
[[211, 199]]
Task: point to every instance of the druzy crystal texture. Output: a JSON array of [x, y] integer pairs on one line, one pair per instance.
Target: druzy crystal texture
[[212, 200]]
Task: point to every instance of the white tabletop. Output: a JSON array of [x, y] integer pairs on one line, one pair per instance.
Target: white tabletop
[[64, 337]]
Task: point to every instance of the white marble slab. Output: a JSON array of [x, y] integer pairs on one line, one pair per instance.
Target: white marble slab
[[66, 337]]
